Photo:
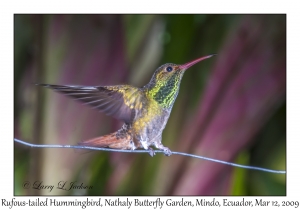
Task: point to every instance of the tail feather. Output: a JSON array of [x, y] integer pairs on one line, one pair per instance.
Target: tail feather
[[110, 141]]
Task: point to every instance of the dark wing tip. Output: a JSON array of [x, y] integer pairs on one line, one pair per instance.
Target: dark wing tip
[[55, 87], [44, 85]]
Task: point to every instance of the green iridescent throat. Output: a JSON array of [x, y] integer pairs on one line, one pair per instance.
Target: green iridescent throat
[[165, 91]]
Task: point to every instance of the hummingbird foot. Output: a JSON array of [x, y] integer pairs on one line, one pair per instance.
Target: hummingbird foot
[[166, 150], [151, 152]]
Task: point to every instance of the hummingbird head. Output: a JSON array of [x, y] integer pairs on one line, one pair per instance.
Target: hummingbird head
[[164, 84]]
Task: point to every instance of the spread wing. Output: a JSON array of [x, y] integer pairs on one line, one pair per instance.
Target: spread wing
[[117, 101]]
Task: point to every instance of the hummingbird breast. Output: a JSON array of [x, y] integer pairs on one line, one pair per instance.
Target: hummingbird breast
[[149, 121]]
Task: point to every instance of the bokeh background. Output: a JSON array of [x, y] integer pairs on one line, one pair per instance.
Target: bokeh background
[[230, 107]]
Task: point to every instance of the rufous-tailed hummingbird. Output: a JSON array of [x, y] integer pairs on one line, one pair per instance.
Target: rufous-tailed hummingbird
[[145, 111]]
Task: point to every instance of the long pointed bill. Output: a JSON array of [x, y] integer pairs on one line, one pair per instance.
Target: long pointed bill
[[191, 63]]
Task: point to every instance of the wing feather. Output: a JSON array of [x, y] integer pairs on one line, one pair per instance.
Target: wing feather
[[117, 101]]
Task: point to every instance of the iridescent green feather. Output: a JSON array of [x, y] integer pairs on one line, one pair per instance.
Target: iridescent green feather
[[164, 86]]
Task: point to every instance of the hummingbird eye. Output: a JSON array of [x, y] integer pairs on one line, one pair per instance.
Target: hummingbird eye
[[169, 69]]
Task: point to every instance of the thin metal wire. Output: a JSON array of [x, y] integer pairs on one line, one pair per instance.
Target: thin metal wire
[[146, 151]]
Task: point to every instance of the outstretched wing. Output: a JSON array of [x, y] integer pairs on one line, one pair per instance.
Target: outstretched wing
[[117, 101]]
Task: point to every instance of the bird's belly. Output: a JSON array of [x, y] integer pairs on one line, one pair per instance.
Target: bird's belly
[[148, 126]]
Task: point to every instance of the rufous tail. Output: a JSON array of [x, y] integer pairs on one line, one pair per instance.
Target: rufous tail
[[111, 141]]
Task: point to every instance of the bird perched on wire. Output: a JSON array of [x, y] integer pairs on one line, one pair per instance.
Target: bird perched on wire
[[145, 111]]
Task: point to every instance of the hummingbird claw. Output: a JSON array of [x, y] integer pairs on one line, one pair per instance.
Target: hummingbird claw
[[151, 152], [167, 151]]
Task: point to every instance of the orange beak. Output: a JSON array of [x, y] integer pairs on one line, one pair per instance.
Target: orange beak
[[191, 63]]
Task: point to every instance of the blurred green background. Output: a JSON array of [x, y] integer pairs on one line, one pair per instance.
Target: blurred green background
[[230, 107]]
